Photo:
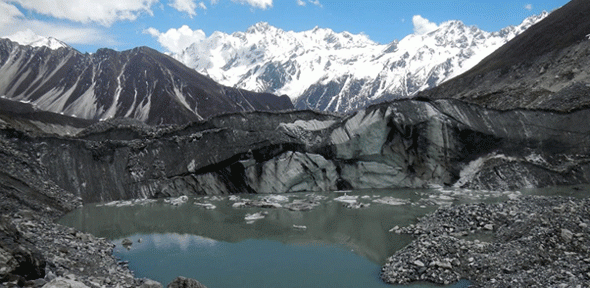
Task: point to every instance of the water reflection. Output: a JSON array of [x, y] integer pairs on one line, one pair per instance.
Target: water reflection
[[220, 247]]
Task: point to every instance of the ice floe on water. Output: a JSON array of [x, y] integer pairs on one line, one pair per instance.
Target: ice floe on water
[[177, 201], [391, 201], [207, 206], [124, 203], [350, 199], [275, 198], [251, 217], [299, 227]]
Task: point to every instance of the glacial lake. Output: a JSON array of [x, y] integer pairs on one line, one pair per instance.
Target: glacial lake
[[217, 241]]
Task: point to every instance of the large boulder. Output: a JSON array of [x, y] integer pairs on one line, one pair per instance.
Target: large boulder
[[18, 257], [183, 282], [61, 282]]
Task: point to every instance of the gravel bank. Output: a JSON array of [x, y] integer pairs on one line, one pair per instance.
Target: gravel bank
[[532, 241], [52, 252]]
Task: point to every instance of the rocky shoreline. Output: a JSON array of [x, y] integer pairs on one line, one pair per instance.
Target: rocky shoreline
[[532, 241], [36, 252]]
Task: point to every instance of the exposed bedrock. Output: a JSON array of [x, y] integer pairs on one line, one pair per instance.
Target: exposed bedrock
[[400, 144]]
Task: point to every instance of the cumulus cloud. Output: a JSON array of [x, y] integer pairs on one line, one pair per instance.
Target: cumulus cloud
[[13, 21], [528, 7], [262, 4], [176, 40], [9, 14], [316, 3], [187, 6], [423, 25], [104, 12], [301, 3]]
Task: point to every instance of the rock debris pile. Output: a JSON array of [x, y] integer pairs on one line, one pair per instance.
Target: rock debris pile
[[531, 241]]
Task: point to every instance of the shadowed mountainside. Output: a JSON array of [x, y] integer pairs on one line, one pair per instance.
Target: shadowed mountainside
[[543, 68], [141, 83]]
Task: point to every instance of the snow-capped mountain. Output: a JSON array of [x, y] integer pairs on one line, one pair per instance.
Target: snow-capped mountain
[[30, 38], [324, 70], [141, 83]]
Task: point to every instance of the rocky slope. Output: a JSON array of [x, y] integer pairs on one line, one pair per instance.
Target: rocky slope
[[544, 68], [141, 83], [324, 70]]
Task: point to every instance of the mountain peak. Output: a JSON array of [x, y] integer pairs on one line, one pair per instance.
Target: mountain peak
[[259, 27], [30, 38], [452, 24], [341, 71]]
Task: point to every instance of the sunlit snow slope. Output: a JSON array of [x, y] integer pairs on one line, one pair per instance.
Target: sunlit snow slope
[[324, 70]]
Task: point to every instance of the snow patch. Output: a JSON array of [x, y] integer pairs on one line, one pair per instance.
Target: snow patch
[[30, 38]]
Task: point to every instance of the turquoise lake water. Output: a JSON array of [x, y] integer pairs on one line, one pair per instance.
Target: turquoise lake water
[[328, 246]]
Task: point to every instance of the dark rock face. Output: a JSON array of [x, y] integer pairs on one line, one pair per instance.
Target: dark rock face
[[542, 68], [400, 144], [141, 84], [18, 257]]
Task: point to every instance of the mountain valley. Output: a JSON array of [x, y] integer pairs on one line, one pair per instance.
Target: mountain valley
[[77, 129]]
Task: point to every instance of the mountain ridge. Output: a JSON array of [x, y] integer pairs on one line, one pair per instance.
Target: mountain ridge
[[543, 68], [139, 83], [341, 72]]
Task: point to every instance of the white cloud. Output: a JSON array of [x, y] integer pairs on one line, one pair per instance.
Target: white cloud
[[9, 14], [12, 21], [301, 3], [262, 4], [214, 2], [176, 40], [105, 12], [528, 7], [422, 25], [188, 6], [316, 3]]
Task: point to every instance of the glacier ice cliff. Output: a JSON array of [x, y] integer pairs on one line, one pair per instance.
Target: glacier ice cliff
[[409, 143]]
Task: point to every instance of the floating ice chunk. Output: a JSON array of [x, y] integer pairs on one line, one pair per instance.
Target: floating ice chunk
[[177, 201], [347, 199], [357, 205], [123, 203], [391, 201], [239, 205], [207, 206], [255, 216], [275, 198], [299, 227]]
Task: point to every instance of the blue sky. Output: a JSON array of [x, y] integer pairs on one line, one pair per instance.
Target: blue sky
[[123, 24]]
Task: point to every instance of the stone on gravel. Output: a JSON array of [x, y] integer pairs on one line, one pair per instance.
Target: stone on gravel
[[149, 283], [567, 235], [183, 282], [61, 282]]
